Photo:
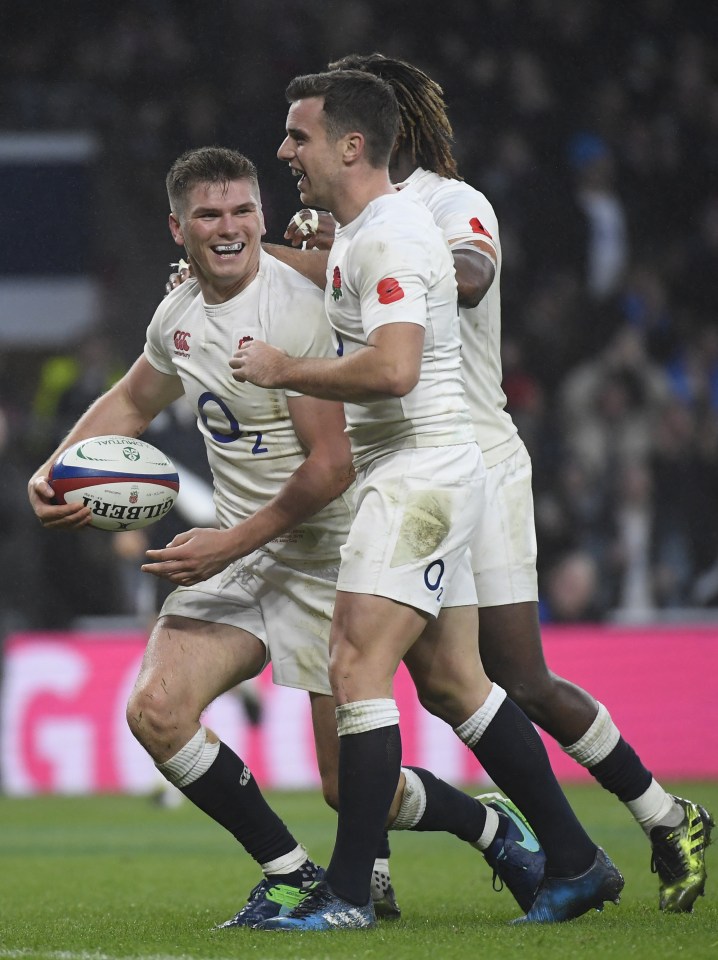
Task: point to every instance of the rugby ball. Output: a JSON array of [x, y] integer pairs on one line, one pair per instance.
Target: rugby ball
[[127, 483]]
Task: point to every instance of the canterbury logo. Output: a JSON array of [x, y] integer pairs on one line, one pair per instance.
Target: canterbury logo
[[181, 341], [389, 290]]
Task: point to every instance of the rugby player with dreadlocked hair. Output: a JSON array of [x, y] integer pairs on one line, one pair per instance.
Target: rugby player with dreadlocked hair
[[504, 549]]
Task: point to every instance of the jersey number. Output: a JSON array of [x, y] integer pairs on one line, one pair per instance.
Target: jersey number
[[234, 432]]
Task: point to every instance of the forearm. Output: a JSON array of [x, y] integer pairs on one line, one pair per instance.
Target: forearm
[[363, 376], [112, 413], [312, 264], [310, 488]]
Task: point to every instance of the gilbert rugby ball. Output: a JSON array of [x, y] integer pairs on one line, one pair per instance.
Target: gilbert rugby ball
[[127, 483]]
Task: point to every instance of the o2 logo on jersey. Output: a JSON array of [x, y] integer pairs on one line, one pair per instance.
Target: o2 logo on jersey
[[234, 433], [389, 290], [340, 344], [433, 576], [181, 341]]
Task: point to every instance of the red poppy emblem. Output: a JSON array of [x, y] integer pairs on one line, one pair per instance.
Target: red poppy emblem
[[389, 290], [478, 227]]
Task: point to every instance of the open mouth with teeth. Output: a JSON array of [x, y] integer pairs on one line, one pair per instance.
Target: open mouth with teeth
[[228, 250]]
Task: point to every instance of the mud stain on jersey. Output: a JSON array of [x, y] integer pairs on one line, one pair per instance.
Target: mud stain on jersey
[[425, 525]]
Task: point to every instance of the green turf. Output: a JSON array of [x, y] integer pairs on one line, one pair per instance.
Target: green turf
[[100, 878]]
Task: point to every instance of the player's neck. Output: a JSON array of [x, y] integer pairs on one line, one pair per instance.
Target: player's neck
[[216, 291], [402, 166], [359, 193]]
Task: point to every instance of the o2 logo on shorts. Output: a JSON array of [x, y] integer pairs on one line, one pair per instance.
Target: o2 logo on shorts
[[432, 578]]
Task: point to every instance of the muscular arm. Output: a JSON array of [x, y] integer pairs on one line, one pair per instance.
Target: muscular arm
[[312, 264], [474, 275], [326, 473], [389, 366], [126, 409], [307, 254]]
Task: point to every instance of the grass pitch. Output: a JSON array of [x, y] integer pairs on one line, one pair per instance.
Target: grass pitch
[[114, 878]]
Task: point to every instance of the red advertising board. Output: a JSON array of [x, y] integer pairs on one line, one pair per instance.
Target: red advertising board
[[63, 729]]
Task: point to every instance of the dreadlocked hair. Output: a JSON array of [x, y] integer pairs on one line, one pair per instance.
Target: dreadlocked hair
[[425, 130]]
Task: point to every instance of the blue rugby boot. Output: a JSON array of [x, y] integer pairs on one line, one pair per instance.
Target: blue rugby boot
[[269, 899], [321, 909], [565, 898], [515, 855]]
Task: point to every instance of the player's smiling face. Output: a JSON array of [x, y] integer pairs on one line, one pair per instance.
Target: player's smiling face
[[312, 157], [221, 226]]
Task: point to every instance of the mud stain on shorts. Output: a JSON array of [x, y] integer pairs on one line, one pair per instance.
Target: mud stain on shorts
[[425, 524]]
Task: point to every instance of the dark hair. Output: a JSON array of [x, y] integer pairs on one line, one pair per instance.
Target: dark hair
[[425, 131], [207, 165], [354, 100]]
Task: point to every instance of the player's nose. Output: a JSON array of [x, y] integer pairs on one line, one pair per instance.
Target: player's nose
[[285, 152], [228, 226]]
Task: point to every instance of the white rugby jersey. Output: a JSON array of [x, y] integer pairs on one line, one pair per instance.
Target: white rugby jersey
[[392, 265], [251, 444], [467, 219]]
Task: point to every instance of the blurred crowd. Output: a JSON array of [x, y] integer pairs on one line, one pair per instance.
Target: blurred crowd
[[593, 131]]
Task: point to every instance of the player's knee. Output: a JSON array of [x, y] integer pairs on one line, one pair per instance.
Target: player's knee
[[533, 694], [444, 701], [149, 715], [345, 663]]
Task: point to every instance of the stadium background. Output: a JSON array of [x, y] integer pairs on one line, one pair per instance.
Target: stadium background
[[594, 134]]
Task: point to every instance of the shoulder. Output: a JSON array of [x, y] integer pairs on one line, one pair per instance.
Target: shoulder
[[397, 216], [284, 281], [459, 192], [183, 298]]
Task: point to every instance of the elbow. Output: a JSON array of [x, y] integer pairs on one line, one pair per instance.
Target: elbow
[[471, 294], [399, 381], [340, 473]]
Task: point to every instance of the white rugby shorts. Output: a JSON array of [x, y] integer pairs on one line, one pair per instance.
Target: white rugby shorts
[[503, 547], [415, 515], [289, 609]]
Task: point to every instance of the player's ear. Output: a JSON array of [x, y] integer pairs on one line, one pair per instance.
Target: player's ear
[[353, 147], [176, 230]]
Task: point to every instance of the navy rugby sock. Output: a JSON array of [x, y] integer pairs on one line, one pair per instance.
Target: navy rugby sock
[[369, 768], [449, 810], [513, 755], [622, 772], [229, 794]]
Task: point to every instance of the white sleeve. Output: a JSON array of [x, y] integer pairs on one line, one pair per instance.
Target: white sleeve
[[154, 351], [467, 219], [391, 278]]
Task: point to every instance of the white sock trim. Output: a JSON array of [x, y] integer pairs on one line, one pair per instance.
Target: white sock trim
[[288, 863], [654, 806], [191, 761], [364, 715], [597, 742], [490, 829], [471, 730], [413, 802]]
